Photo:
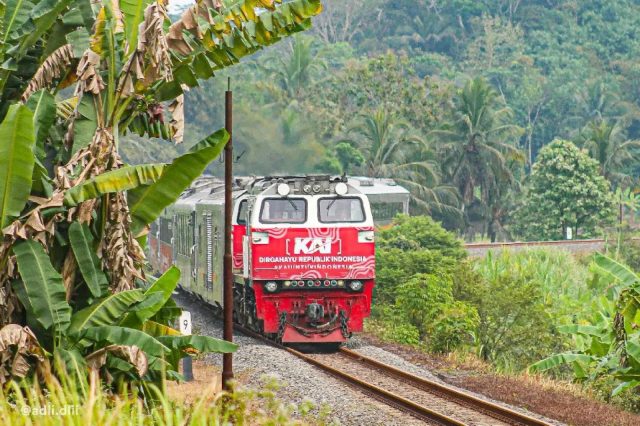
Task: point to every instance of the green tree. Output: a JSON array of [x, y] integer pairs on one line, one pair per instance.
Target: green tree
[[391, 148], [293, 71], [606, 142], [565, 190], [478, 150]]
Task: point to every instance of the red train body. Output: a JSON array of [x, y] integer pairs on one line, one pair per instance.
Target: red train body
[[303, 254]]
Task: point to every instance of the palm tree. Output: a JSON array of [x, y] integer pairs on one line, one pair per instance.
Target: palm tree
[[476, 154], [606, 142], [391, 149], [292, 72]]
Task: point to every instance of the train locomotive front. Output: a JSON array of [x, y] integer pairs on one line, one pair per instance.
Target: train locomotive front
[[303, 255]]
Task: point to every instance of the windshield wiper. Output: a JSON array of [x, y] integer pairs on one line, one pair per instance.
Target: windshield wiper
[[292, 204]]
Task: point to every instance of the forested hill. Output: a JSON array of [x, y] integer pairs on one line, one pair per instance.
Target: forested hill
[[372, 72]]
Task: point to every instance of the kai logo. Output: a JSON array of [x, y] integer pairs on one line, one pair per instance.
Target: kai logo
[[312, 246]]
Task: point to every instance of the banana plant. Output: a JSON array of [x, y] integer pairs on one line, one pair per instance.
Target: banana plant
[[76, 75], [610, 345]]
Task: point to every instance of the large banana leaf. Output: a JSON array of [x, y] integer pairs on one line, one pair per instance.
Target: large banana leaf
[[147, 202], [114, 335], [133, 12], [82, 244], [162, 289], [107, 311], [43, 105], [618, 271], [25, 22], [179, 344], [199, 343], [156, 329], [125, 178], [43, 293], [17, 140], [560, 359], [86, 123], [222, 39]]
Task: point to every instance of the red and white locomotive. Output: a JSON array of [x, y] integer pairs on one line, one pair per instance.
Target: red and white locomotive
[[303, 253]]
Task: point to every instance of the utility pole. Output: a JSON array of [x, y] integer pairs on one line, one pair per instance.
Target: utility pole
[[227, 360]]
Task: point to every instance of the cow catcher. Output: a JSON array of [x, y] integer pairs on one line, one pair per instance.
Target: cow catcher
[[304, 259]]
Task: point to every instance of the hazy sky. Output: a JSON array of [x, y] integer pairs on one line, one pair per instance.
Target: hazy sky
[[176, 5]]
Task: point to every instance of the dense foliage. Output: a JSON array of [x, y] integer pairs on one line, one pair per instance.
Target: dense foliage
[[538, 308], [414, 303], [76, 76], [564, 191], [607, 343], [470, 91]]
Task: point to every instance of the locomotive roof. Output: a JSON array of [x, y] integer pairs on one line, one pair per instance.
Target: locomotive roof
[[210, 189]]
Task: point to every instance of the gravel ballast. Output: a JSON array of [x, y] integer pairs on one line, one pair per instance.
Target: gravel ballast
[[255, 361], [299, 380]]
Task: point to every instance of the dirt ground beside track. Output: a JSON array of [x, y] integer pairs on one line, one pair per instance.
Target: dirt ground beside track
[[536, 394]]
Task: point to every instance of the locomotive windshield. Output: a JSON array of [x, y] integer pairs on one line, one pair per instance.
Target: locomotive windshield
[[284, 210], [333, 210]]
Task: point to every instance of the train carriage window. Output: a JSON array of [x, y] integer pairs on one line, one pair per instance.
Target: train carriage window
[[183, 234], [166, 231], [386, 210], [346, 209], [283, 210], [242, 213]]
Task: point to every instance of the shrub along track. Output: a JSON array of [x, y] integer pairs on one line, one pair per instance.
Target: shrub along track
[[424, 399]]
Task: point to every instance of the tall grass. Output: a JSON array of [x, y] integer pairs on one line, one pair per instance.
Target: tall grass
[[89, 402]]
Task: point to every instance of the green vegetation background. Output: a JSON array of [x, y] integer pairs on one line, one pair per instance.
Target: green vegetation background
[[378, 88]]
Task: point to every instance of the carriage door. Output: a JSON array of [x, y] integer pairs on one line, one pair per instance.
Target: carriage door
[[239, 231]]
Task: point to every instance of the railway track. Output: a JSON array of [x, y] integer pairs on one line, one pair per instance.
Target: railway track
[[575, 246], [424, 399]]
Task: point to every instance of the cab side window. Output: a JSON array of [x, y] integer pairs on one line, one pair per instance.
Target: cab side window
[[242, 213]]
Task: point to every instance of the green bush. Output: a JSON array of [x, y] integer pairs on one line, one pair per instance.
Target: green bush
[[522, 298], [414, 300], [425, 311], [421, 233], [454, 327], [395, 267]]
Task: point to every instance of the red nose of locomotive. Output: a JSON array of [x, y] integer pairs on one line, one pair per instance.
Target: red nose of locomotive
[[311, 262]]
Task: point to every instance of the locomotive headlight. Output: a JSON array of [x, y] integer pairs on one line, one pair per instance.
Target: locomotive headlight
[[365, 236], [271, 286], [307, 189], [260, 238], [283, 189], [341, 188], [355, 285]]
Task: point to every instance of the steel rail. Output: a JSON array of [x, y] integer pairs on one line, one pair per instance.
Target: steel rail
[[389, 398], [534, 243], [397, 401], [423, 413], [462, 398]]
